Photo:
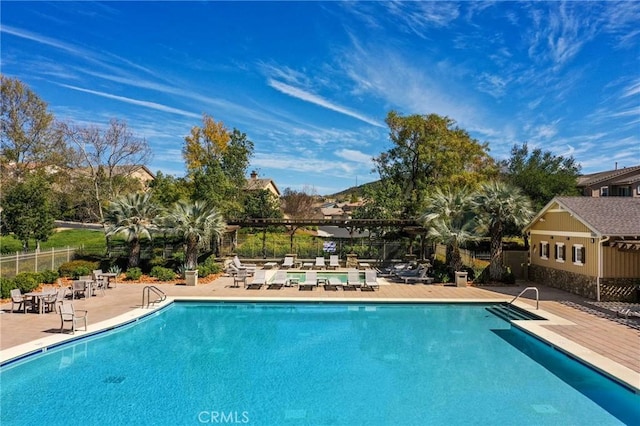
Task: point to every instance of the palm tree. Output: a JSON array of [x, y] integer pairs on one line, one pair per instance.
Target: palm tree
[[198, 222], [132, 216], [499, 204], [449, 220]]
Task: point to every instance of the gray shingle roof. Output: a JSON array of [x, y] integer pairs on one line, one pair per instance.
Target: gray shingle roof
[[594, 178], [613, 216]]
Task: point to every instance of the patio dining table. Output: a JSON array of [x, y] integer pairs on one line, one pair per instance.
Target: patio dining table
[[38, 298]]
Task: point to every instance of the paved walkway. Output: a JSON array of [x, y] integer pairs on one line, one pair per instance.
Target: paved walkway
[[595, 327]]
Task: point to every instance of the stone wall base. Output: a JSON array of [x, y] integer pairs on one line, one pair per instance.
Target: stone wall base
[[611, 289]]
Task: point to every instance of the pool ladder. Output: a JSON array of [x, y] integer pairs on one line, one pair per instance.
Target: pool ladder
[[520, 294], [160, 296]]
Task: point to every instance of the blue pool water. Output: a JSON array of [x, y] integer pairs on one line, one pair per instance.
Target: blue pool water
[[309, 364]]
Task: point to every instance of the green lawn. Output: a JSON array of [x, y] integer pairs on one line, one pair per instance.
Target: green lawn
[[91, 240]]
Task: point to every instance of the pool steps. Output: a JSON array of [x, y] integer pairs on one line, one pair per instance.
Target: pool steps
[[511, 312]]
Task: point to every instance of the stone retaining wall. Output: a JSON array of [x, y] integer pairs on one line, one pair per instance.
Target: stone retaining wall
[[611, 289]]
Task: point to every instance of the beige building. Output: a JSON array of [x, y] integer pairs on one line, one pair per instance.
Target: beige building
[[623, 182], [256, 184], [588, 246]]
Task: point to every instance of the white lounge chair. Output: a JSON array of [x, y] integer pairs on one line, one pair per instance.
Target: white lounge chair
[[288, 262], [279, 280], [320, 263], [310, 280], [370, 280], [250, 267], [334, 262], [353, 280], [259, 279]]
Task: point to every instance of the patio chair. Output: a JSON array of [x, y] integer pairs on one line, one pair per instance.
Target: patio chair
[[250, 267], [20, 300], [279, 280], [51, 302], [258, 280], [83, 285], [69, 314], [370, 280], [310, 280], [334, 262], [240, 277], [288, 262], [101, 282], [320, 262], [353, 280]]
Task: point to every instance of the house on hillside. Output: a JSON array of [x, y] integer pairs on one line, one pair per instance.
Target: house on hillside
[[623, 182], [256, 184], [587, 246]]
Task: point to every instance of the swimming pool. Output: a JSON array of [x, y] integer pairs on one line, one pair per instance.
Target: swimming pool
[[312, 364]]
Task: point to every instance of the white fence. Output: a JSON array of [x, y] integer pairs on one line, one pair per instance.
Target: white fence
[[35, 261]]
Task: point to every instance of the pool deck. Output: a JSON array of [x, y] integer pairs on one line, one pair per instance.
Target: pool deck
[[585, 328]]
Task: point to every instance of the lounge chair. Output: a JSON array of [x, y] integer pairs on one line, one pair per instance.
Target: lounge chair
[[627, 313], [332, 284], [250, 267], [279, 280], [310, 280], [334, 262], [370, 280], [20, 300], [320, 263], [353, 280], [69, 314], [258, 280], [288, 262], [421, 277], [240, 277]]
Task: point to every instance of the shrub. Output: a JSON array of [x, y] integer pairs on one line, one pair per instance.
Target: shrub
[[26, 282], [162, 274], [507, 276], [69, 269], [157, 261], [6, 285], [49, 276], [134, 274], [209, 266]]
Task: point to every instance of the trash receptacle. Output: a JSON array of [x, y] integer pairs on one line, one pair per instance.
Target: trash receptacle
[[461, 278]]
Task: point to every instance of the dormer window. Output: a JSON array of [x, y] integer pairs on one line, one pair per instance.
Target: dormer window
[[604, 191]]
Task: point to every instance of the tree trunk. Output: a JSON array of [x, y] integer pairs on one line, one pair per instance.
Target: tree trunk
[[495, 267], [191, 253], [134, 253], [456, 259]]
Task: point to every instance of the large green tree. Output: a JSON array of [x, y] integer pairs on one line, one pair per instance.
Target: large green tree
[[166, 190], [27, 211], [132, 216], [430, 151], [198, 223], [499, 205], [217, 162], [540, 174]]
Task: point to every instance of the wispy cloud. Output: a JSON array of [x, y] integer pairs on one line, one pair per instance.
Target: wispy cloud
[[356, 156], [317, 100], [147, 104]]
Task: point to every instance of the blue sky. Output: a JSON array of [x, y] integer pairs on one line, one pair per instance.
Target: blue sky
[[310, 83]]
